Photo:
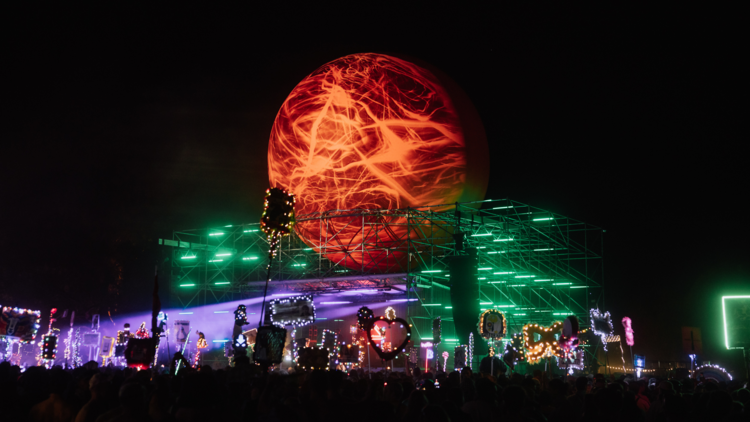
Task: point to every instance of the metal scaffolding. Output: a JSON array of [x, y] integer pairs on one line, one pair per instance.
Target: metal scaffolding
[[534, 265]]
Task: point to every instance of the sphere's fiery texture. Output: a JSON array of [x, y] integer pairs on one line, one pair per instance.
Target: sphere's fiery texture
[[367, 131]]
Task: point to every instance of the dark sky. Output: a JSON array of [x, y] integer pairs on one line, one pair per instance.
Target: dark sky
[[123, 124]]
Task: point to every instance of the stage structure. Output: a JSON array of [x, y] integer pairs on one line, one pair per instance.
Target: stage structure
[[534, 265]]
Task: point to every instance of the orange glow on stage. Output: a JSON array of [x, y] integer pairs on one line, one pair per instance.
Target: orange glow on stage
[[370, 131]]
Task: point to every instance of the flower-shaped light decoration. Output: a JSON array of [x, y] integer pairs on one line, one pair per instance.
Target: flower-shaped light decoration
[[601, 325], [278, 217], [546, 346]]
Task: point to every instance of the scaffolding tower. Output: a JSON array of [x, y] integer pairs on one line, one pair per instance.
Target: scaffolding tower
[[534, 265]]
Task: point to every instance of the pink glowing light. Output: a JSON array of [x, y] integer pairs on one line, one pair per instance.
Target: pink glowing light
[[627, 323]]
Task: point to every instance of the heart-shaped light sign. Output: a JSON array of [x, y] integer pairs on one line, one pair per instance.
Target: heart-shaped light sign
[[381, 322]]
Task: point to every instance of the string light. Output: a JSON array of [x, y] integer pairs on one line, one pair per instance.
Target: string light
[[278, 217], [470, 349], [141, 332], [712, 367], [546, 346], [601, 325], [26, 323], [364, 317], [492, 324], [303, 302]]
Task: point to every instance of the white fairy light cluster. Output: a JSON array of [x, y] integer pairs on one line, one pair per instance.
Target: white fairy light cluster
[[713, 367], [298, 321], [470, 350], [605, 317]]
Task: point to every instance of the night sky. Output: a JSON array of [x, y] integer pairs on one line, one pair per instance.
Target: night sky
[[121, 125]]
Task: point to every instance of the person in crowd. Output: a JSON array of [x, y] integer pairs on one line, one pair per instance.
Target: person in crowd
[[243, 392]]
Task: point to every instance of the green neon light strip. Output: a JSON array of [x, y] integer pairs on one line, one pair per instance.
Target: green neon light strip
[[485, 303], [503, 240], [250, 231], [187, 285], [543, 219], [504, 272], [519, 314], [432, 304], [497, 282], [525, 276], [448, 307], [482, 278], [216, 234], [724, 315], [578, 287], [223, 254], [505, 306], [543, 279], [221, 282], [188, 257], [484, 268], [248, 258], [432, 271], [216, 260], [482, 234], [561, 284], [503, 208]]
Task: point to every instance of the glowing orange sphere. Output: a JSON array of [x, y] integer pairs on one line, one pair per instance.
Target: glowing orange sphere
[[370, 131]]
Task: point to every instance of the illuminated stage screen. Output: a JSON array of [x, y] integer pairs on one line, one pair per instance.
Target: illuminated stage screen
[[736, 312], [371, 131]]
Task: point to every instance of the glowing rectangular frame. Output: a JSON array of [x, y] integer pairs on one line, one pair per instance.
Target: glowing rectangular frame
[[724, 315]]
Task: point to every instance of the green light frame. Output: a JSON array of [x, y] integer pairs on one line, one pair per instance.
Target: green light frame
[[724, 316]]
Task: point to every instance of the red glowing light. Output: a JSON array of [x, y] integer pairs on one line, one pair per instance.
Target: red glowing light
[[370, 131]]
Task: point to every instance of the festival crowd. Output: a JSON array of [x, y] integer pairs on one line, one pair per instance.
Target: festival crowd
[[245, 393]]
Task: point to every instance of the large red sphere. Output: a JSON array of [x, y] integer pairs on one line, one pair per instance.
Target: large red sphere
[[371, 131]]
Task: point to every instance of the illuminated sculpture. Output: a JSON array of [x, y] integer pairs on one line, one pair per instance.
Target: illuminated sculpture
[[202, 343], [142, 332], [628, 325], [601, 325], [569, 337], [370, 131], [546, 346], [514, 350], [492, 324], [364, 316], [394, 350], [390, 313], [278, 217]]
